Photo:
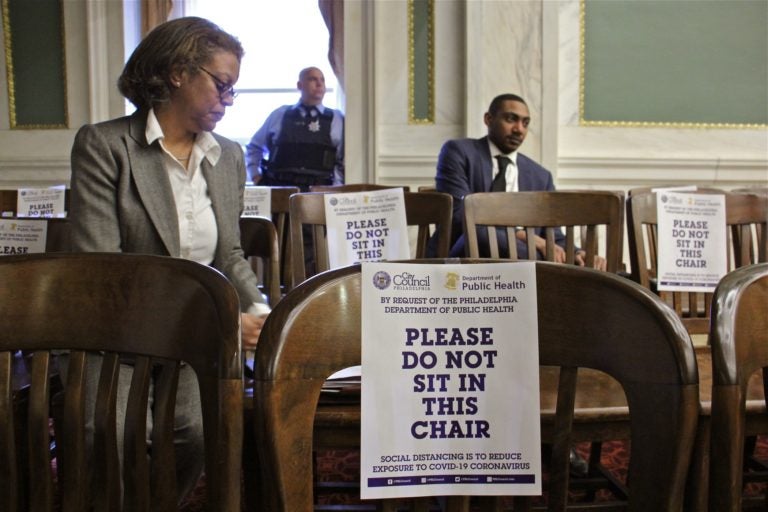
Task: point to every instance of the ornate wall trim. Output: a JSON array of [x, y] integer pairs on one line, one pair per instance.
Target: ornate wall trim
[[421, 62]]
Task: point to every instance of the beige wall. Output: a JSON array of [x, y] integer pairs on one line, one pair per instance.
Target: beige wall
[[93, 34], [530, 47]]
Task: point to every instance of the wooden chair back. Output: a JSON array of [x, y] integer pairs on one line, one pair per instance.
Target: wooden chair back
[[757, 190], [59, 235], [258, 238], [623, 330], [280, 205], [739, 343], [427, 211], [430, 212], [679, 188], [308, 209], [355, 187], [8, 202], [747, 222], [576, 212], [157, 310], [639, 191]]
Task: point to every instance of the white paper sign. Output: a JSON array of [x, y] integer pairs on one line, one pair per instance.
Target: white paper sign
[[257, 202], [692, 241], [41, 202], [21, 236], [450, 380], [366, 226]]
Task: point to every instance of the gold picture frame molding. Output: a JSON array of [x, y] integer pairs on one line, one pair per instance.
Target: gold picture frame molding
[[10, 73], [421, 110]]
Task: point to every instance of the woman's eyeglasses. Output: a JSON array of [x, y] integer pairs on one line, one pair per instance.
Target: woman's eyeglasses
[[223, 88]]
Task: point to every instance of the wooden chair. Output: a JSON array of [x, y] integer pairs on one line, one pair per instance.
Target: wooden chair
[[428, 211], [280, 202], [59, 235], [747, 221], [650, 231], [159, 311], [622, 330], [678, 187], [258, 238], [739, 340], [757, 190], [8, 202], [58, 239], [490, 214], [486, 213], [355, 187]]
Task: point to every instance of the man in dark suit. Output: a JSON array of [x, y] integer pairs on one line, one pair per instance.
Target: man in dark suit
[[493, 164], [472, 165]]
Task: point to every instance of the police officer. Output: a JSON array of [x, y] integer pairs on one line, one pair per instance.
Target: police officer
[[300, 145]]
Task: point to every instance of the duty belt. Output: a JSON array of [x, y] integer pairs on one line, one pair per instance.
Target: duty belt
[[299, 177]]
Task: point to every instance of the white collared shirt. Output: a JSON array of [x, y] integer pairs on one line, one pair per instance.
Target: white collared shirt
[[198, 233], [510, 175]]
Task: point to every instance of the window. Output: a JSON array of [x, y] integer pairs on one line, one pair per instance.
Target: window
[[280, 38]]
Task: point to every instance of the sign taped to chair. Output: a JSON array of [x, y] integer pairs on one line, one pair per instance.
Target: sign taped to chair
[[257, 202], [366, 226], [41, 202], [692, 241], [22, 236], [450, 380]]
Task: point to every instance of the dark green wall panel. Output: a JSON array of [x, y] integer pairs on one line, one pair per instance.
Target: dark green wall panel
[[34, 50], [675, 61]]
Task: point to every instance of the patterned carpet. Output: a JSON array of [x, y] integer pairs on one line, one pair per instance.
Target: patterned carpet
[[344, 466]]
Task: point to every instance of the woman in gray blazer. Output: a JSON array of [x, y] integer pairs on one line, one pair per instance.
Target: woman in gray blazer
[[160, 182]]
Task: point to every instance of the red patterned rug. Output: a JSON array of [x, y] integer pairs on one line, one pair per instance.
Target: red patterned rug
[[344, 466]]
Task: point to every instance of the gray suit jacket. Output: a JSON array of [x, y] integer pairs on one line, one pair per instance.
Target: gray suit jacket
[[122, 201]]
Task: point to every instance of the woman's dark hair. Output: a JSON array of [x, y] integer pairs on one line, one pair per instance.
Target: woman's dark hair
[[174, 46]]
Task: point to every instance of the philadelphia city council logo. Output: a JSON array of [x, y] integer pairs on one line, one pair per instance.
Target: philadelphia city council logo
[[334, 201], [381, 280]]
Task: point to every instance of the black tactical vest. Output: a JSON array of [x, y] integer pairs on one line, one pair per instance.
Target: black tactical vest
[[303, 153]]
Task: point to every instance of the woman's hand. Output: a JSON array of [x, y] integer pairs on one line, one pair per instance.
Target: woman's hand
[[250, 326]]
